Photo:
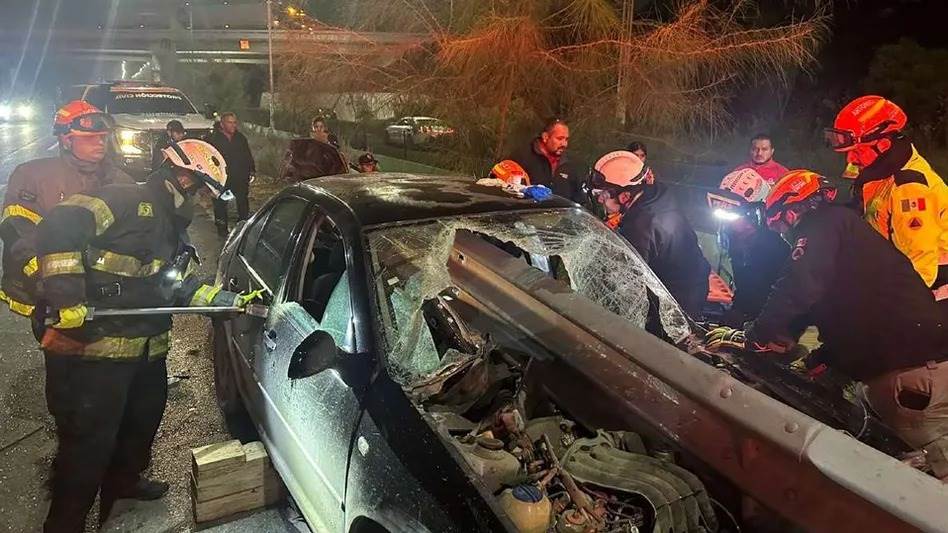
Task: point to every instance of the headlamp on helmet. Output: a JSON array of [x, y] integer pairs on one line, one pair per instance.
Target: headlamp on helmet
[[727, 207]]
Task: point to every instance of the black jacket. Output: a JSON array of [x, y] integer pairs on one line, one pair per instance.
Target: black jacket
[[756, 267], [116, 247], [567, 181], [659, 231], [237, 155], [874, 313]]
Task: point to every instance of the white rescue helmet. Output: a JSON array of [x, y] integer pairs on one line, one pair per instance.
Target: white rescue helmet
[[204, 162], [621, 169], [747, 184], [741, 194]]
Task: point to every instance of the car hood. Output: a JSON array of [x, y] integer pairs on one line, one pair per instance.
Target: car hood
[[193, 121]]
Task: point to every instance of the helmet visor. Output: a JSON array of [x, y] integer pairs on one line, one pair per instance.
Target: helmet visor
[[839, 140], [89, 124], [217, 190]]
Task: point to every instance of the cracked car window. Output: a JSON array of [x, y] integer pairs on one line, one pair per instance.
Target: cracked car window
[[410, 269]]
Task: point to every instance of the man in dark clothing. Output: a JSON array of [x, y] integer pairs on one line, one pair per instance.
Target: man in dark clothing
[[174, 132], [757, 259], [877, 320], [654, 225], [546, 162], [234, 147]]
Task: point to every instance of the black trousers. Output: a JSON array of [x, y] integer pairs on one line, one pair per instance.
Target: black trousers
[[107, 414], [241, 189]]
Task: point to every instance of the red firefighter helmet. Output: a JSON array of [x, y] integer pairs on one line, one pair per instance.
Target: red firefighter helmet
[[81, 118], [794, 187], [865, 120]]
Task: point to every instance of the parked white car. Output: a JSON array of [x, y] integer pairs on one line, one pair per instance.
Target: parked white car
[[416, 130]]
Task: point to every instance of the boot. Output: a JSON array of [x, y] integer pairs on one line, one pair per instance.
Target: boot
[[142, 489]]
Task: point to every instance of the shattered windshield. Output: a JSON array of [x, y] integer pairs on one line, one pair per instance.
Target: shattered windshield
[[410, 268]]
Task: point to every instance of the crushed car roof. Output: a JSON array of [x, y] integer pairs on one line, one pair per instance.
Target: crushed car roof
[[382, 198]]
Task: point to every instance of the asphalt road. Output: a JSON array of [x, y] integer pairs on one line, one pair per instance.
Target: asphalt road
[[27, 435], [22, 141]]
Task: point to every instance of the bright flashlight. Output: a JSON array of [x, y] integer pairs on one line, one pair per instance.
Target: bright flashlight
[[725, 215], [127, 136]]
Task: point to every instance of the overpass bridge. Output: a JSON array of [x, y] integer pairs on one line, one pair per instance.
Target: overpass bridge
[[214, 45]]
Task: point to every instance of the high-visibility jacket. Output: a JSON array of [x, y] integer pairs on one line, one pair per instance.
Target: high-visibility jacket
[[35, 187], [117, 248], [907, 202]]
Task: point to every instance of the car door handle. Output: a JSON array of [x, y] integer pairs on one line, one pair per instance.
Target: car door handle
[[269, 339]]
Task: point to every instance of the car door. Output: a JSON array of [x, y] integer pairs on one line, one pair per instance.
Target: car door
[[261, 262], [308, 422]]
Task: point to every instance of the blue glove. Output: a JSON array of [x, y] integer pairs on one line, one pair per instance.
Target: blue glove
[[537, 192]]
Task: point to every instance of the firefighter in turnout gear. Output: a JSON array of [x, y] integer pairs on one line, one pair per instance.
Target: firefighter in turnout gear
[[38, 185], [896, 189], [878, 322], [106, 381]]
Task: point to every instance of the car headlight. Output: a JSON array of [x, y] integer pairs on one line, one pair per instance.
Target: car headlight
[[25, 111], [5, 111], [131, 142]]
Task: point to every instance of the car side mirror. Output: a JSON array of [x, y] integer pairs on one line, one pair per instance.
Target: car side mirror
[[318, 352], [209, 110]]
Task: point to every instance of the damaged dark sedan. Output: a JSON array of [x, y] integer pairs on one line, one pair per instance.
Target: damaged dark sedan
[[441, 356]]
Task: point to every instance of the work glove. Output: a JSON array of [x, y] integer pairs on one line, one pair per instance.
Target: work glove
[[71, 317], [724, 337], [245, 298]]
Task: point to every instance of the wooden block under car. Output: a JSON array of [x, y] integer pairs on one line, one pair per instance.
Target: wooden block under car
[[216, 459], [225, 482], [232, 504]]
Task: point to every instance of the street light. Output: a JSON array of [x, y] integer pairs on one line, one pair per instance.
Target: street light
[[270, 55]]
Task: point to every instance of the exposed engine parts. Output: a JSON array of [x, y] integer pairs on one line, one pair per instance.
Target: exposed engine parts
[[546, 472], [549, 478]]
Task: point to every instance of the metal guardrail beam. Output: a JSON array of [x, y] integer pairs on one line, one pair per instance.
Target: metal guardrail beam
[[812, 474]]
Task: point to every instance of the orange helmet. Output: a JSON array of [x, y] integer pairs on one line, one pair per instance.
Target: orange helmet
[[510, 172], [794, 187], [81, 118], [865, 120]]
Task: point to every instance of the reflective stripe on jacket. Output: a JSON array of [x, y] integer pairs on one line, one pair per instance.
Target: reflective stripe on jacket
[[907, 202], [117, 248], [33, 190]]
